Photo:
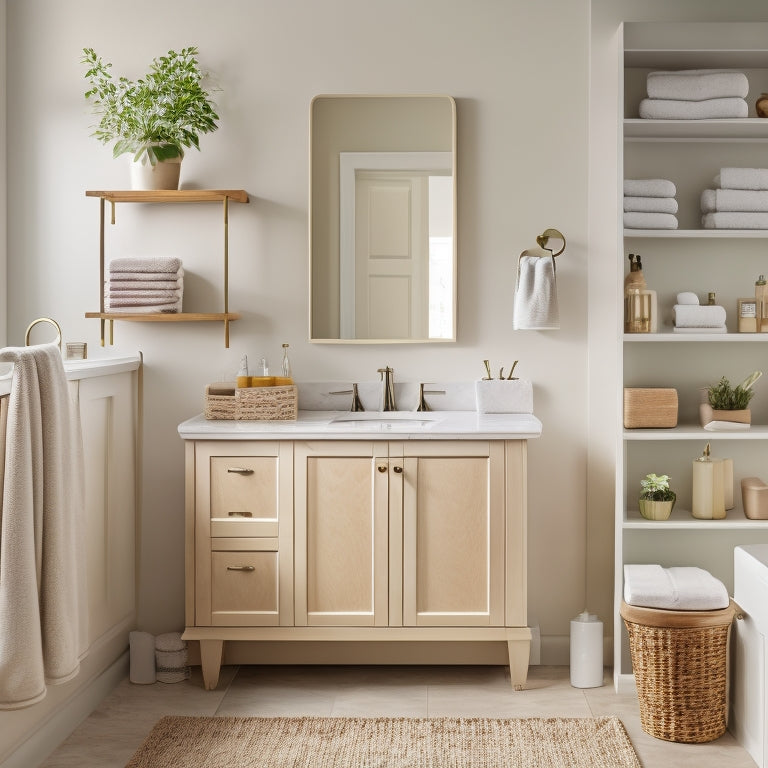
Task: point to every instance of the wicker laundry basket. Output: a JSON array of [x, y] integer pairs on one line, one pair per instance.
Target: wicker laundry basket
[[680, 663]]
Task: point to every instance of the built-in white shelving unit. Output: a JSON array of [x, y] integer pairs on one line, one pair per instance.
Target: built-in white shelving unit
[[690, 153]]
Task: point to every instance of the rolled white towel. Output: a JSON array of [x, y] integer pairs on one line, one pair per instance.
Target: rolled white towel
[[734, 220], [713, 200], [688, 297], [697, 84], [145, 264], [742, 178], [695, 316], [639, 220], [709, 109], [683, 588], [650, 204], [649, 188]]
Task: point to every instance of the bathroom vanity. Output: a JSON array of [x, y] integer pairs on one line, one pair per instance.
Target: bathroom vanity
[[399, 527]]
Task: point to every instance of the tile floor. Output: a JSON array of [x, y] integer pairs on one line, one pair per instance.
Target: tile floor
[[108, 738]]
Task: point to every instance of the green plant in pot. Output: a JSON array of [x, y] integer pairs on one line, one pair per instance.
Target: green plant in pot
[[724, 402], [154, 118], [657, 499]]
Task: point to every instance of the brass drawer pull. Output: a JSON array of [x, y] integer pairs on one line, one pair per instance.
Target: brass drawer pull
[[398, 470], [240, 470], [240, 514], [241, 567]]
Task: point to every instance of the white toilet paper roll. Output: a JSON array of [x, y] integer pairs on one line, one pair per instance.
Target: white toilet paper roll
[[142, 658], [586, 651]]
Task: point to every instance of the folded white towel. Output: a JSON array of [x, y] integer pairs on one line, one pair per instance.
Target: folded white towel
[[114, 302], [142, 277], [536, 292], [713, 200], [709, 109], [719, 329], [145, 264], [145, 285], [742, 178], [688, 297], [697, 84], [639, 220], [695, 316], [650, 204], [683, 588], [735, 220], [166, 309], [145, 295], [649, 188]]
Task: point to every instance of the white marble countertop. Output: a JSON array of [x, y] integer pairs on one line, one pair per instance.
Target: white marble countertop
[[344, 425]]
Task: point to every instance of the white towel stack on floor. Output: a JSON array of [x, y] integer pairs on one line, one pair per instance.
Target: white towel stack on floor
[[650, 204], [144, 285], [692, 317], [739, 200], [695, 94]]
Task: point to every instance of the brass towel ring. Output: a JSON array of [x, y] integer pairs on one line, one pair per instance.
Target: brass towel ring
[[43, 320], [543, 239]]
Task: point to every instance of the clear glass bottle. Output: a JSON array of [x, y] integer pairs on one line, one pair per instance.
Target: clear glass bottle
[[286, 367]]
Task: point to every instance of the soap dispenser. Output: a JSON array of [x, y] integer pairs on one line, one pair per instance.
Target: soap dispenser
[[708, 500], [640, 303]]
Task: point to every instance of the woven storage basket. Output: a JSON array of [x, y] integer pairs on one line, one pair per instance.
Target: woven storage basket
[[225, 401], [650, 408], [680, 663]]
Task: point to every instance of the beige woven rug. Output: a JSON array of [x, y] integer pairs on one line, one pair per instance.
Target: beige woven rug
[[329, 742]]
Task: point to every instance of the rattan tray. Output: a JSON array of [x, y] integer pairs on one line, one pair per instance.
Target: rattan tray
[[227, 401]]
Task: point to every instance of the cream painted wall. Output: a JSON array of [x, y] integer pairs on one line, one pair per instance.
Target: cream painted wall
[[3, 177], [522, 167]]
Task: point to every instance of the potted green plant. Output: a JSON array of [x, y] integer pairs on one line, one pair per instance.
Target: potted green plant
[[724, 402], [154, 118], [656, 497]]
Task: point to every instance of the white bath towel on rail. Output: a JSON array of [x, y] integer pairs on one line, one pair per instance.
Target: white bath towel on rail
[[536, 292], [41, 581]]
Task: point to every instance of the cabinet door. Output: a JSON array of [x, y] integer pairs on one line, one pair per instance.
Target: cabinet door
[[243, 550], [107, 406], [341, 533], [453, 533]]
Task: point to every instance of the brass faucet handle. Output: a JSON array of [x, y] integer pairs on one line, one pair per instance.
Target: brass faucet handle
[[423, 404], [357, 404]]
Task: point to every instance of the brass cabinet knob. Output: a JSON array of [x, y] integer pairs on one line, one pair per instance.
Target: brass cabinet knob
[[398, 470], [382, 467]]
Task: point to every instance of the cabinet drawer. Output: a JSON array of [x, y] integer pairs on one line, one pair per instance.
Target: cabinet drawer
[[244, 495], [244, 588]]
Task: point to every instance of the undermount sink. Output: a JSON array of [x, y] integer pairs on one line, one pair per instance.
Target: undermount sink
[[387, 419]]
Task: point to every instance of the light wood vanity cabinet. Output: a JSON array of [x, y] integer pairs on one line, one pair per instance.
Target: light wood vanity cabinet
[[356, 540]]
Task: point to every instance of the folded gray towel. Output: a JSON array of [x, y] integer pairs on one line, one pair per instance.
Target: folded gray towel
[[143, 276], [735, 220], [143, 309], [713, 200], [649, 188], [742, 178], [640, 220], [709, 109], [650, 204], [144, 285], [145, 295], [145, 264], [697, 84]]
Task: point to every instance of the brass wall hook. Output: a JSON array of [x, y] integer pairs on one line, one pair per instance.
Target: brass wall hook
[[544, 237]]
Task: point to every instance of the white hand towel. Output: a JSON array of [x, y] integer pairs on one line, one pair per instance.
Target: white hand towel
[[638, 220], [683, 588], [735, 220], [42, 600], [714, 200], [536, 292], [167, 309], [742, 178], [694, 316], [649, 188], [144, 295], [650, 204], [709, 109], [145, 264], [697, 84], [145, 285], [146, 276]]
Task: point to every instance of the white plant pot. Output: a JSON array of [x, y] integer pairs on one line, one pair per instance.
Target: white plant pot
[[163, 175]]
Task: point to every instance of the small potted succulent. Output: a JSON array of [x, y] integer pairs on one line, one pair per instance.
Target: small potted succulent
[[656, 497], [724, 402], [153, 118]]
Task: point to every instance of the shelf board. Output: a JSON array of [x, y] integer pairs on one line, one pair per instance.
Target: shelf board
[[695, 432], [696, 58], [733, 129], [677, 338], [682, 519], [170, 195], [165, 317], [706, 234]]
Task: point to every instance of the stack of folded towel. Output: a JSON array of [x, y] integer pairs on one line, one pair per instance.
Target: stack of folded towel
[[739, 200], [144, 285], [695, 94], [650, 204], [681, 588], [691, 317]]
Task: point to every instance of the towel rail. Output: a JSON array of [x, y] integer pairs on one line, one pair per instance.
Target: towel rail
[[43, 320], [544, 237]]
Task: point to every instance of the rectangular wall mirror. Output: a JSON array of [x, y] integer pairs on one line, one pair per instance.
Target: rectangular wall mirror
[[382, 219]]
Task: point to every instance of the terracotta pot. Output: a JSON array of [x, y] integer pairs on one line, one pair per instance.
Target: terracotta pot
[[655, 510]]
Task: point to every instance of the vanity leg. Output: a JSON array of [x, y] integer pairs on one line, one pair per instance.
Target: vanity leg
[[519, 649], [210, 660]]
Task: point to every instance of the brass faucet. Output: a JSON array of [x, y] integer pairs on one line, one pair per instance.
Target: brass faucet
[[387, 378]]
